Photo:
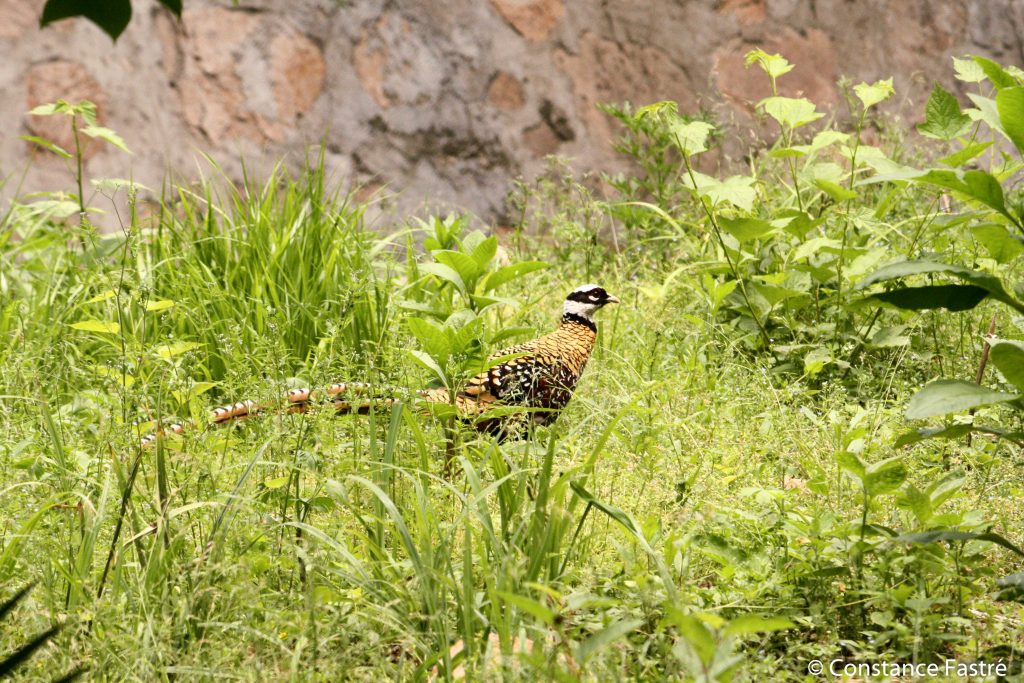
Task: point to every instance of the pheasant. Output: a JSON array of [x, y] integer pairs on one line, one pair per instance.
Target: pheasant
[[539, 376]]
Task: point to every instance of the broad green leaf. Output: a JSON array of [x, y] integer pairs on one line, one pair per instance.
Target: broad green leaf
[[446, 273], [49, 109], [123, 378], [698, 636], [511, 272], [97, 326], [970, 150], [950, 297], [945, 396], [968, 70], [885, 476], [691, 137], [159, 305], [799, 223], [463, 264], [983, 186], [873, 94], [889, 337], [746, 229], [904, 174], [774, 65], [200, 388], [749, 624], [175, 349], [657, 110], [791, 112], [822, 140], [814, 246], [107, 135], [918, 502], [736, 190], [943, 118], [849, 462], [432, 338], [986, 111], [471, 241], [276, 482], [485, 251], [906, 268], [825, 170], [86, 110], [995, 73], [429, 363], [458, 318], [773, 294], [816, 359], [1002, 245], [419, 307], [837, 192], [945, 488], [1010, 104], [605, 637], [718, 291], [102, 296], [528, 606], [112, 16], [467, 336], [483, 302], [865, 263], [984, 280], [1008, 356], [926, 537], [956, 431], [46, 144]]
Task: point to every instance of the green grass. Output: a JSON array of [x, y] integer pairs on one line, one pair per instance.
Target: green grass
[[685, 488]]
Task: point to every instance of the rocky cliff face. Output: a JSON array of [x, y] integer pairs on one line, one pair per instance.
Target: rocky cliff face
[[444, 102]]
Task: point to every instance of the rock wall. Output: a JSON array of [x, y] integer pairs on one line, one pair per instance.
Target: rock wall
[[445, 102]]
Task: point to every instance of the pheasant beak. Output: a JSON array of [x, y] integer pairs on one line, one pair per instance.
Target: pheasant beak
[[612, 300]]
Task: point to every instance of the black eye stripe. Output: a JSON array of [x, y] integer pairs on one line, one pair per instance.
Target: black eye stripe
[[588, 296]]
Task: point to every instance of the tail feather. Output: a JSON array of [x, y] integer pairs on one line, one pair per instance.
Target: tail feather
[[295, 401], [346, 398]]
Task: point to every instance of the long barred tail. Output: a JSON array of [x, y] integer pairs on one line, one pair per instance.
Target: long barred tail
[[338, 396]]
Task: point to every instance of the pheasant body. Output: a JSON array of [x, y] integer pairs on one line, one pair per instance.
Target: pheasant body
[[539, 375]]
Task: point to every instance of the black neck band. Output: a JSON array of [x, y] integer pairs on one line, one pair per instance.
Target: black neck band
[[579, 320]]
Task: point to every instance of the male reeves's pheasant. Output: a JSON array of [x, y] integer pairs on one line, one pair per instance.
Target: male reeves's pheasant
[[540, 377]]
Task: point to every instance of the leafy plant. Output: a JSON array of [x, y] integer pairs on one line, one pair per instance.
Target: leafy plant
[[82, 121], [993, 218], [112, 16], [453, 292], [780, 264]]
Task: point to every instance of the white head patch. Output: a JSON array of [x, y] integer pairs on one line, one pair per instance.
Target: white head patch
[[580, 304], [580, 308]]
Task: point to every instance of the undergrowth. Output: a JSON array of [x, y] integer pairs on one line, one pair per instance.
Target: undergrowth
[[733, 492]]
